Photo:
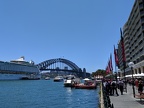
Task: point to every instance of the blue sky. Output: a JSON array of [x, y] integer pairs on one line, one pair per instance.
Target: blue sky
[[82, 31]]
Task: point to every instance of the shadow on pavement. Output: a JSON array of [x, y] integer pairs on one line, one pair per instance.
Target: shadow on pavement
[[140, 102]]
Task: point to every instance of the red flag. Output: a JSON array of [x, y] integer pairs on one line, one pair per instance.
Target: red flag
[[116, 57], [107, 69], [122, 46], [110, 64]]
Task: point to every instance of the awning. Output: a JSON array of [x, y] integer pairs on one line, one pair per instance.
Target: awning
[[108, 75], [138, 75], [135, 75]]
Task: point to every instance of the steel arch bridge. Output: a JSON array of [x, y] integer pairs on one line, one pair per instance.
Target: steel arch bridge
[[47, 65]]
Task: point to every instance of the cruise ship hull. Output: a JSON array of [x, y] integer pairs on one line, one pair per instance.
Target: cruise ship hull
[[18, 77], [10, 76]]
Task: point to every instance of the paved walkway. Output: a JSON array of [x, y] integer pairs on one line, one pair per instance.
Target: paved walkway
[[127, 100]]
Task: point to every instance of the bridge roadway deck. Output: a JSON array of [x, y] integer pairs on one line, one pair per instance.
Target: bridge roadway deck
[[127, 100]]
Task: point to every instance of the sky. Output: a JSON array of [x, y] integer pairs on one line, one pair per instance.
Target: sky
[[82, 31]]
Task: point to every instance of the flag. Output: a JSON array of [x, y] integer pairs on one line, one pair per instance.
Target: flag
[[123, 49], [110, 63], [116, 57], [107, 69]]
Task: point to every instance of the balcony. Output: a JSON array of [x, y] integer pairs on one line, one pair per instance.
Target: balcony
[[141, 6], [142, 13]]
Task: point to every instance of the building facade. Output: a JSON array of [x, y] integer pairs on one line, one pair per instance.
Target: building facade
[[133, 34]]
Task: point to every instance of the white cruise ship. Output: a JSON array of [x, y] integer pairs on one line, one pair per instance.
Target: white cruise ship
[[18, 69]]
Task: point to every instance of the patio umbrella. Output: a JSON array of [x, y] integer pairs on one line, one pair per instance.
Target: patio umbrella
[[128, 76], [142, 74], [86, 79]]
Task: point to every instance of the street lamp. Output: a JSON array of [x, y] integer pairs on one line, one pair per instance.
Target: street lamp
[[119, 71], [116, 76], [131, 65]]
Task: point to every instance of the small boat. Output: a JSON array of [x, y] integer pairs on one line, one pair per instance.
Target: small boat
[[28, 78], [68, 83], [83, 86], [47, 78], [58, 79], [89, 84], [71, 80]]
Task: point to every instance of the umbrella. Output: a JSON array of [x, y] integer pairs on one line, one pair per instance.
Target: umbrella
[[86, 79], [142, 74], [128, 76]]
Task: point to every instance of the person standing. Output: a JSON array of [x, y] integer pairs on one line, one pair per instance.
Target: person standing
[[121, 86], [114, 88], [108, 87], [136, 82], [140, 87]]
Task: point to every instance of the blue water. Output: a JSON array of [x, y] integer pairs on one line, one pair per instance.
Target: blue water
[[45, 94]]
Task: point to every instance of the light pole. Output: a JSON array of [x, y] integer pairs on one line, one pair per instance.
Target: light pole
[[116, 76], [119, 71], [131, 65]]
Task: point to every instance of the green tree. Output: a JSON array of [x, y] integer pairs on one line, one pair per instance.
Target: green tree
[[99, 72]]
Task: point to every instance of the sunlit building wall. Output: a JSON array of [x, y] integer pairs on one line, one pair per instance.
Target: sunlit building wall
[[133, 33]]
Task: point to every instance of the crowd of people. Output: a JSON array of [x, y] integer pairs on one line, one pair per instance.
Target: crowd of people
[[138, 83], [112, 86]]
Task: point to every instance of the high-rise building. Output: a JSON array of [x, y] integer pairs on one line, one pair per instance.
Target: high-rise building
[[133, 34]]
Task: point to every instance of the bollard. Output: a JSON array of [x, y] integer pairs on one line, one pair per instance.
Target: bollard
[[112, 106]]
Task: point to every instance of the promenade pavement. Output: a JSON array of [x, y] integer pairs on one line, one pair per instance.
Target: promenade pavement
[[127, 100]]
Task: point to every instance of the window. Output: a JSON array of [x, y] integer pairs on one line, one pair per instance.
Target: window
[[135, 71], [139, 70]]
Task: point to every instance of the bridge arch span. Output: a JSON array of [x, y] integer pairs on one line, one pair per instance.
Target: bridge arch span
[[47, 63]]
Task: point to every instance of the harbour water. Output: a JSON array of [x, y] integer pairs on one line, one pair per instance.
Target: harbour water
[[45, 94]]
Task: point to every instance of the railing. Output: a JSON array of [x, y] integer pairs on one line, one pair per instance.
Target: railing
[[105, 99]]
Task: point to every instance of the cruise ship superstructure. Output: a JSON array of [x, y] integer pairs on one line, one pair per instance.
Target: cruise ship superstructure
[[18, 69]]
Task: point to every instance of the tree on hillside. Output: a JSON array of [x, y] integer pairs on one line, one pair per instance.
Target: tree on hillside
[[99, 72]]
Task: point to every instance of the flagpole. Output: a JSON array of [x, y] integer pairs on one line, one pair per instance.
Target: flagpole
[[116, 62], [115, 73], [124, 59], [125, 76], [111, 67]]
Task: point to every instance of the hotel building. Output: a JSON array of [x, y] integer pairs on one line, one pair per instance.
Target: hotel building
[[133, 34]]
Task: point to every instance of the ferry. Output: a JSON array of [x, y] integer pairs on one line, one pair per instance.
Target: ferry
[[19, 69]]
